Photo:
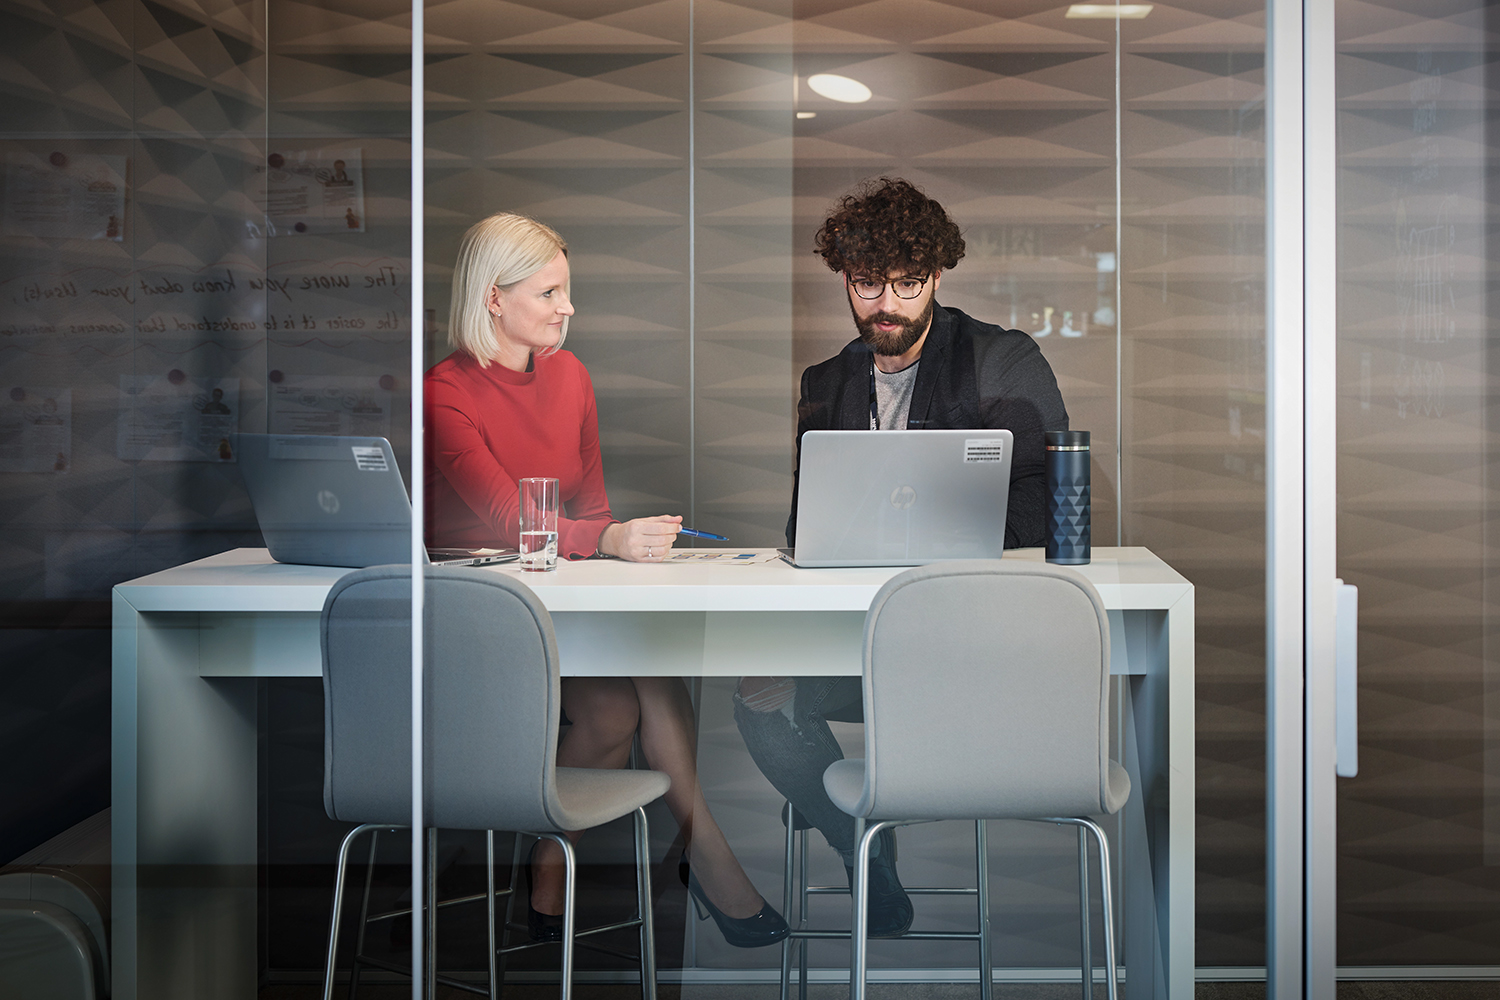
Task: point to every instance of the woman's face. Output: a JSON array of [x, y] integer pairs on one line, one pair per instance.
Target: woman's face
[[529, 316]]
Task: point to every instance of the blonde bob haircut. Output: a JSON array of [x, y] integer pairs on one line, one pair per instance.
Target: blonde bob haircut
[[502, 250]]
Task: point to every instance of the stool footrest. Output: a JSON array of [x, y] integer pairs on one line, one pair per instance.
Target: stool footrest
[[456, 900], [927, 890], [819, 935], [405, 970], [577, 937]]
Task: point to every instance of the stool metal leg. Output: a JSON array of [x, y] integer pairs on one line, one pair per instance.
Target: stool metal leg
[[364, 917], [429, 971], [1086, 938], [860, 932], [570, 888], [982, 883], [510, 900], [338, 904], [489, 885], [802, 918], [788, 858], [643, 905], [1106, 898]]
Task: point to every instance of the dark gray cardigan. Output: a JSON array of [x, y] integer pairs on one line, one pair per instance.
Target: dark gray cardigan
[[973, 375]]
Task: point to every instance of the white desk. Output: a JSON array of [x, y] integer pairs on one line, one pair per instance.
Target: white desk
[[185, 727]]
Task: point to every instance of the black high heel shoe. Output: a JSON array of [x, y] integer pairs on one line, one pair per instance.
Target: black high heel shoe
[[755, 931], [541, 926]]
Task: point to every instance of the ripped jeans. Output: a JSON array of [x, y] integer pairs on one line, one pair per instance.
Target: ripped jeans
[[789, 740]]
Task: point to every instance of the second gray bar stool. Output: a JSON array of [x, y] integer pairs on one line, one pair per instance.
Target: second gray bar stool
[[986, 696]]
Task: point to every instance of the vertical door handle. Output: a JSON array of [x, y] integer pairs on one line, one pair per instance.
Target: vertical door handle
[[1346, 677]]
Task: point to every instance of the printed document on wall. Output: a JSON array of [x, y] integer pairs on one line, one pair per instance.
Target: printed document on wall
[[312, 191], [36, 429], [173, 418]]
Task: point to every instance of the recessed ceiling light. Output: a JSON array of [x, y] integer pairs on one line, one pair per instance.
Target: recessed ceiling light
[[807, 114], [1110, 10], [839, 88]]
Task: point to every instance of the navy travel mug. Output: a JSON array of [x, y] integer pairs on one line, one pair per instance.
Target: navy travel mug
[[1068, 497]]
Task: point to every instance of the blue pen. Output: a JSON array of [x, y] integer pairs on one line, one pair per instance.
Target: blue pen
[[695, 533]]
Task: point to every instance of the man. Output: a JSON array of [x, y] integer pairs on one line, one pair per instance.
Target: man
[[915, 365]]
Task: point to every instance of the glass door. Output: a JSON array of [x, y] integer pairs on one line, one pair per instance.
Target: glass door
[[1418, 828]]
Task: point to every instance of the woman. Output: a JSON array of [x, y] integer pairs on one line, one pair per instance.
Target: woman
[[509, 403]]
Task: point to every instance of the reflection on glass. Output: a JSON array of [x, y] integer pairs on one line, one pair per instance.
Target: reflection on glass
[[1418, 827], [205, 231]]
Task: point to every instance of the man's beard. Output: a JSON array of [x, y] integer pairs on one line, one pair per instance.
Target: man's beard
[[899, 340]]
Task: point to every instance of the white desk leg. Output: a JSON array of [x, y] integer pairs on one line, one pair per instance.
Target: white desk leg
[[122, 842], [1182, 766], [1142, 822], [1157, 832], [184, 824]]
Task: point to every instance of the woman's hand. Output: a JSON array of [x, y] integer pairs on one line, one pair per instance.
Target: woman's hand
[[645, 539]]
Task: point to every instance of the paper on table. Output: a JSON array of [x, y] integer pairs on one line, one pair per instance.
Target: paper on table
[[742, 558]]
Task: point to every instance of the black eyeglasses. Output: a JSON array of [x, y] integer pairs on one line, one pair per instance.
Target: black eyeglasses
[[869, 288]]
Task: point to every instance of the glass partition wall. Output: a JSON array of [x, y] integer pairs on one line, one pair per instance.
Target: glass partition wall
[[207, 231], [1417, 827], [134, 347], [1104, 182]]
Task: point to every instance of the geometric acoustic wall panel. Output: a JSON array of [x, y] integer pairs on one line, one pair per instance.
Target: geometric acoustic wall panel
[[131, 134]]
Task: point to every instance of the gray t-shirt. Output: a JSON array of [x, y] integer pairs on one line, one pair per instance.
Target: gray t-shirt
[[893, 397]]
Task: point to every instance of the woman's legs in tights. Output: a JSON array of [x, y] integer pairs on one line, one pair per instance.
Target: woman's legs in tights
[[605, 714], [670, 743]]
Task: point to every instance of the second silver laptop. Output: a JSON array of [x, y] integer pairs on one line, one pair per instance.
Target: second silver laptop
[[902, 498]]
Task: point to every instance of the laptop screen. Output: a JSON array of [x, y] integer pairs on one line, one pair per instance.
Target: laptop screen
[[327, 501], [902, 498]]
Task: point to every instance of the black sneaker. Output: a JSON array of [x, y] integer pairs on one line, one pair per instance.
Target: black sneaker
[[890, 907]]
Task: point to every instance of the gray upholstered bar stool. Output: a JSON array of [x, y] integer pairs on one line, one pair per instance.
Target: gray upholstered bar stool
[[986, 695], [492, 702]]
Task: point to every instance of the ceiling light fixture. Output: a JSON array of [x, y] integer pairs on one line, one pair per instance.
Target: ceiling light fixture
[[1124, 11], [839, 88], [807, 114]]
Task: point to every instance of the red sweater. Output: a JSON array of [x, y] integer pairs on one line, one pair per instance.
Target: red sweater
[[488, 428]]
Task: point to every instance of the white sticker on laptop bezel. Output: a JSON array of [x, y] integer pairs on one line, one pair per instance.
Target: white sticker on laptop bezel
[[984, 450], [370, 458]]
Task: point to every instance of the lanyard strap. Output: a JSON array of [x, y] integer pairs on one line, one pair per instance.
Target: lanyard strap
[[874, 409]]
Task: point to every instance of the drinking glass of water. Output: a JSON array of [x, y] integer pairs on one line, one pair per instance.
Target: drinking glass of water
[[538, 525]]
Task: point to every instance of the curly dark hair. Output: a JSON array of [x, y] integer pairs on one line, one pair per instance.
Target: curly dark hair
[[888, 226]]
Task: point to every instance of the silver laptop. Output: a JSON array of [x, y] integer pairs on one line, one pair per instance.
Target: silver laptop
[[336, 501], [901, 498]]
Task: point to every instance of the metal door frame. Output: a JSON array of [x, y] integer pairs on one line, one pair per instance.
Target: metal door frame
[[1301, 480]]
